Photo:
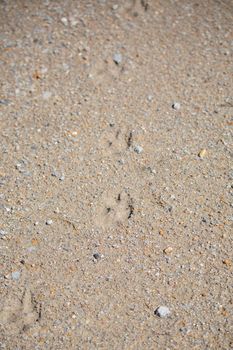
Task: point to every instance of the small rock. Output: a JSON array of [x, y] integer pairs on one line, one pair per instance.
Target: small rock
[[4, 102], [97, 256], [115, 7], [117, 58], [121, 161], [202, 153], [16, 275], [61, 177], [168, 250], [49, 222], [184, 330], [55, 173], [227, 262], [64, 20], [162, 311], [138, 149], [161, 232], [2, 233], [149, 98], [176, 106]]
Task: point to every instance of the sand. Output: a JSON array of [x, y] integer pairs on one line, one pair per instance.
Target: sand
[[116, 175]]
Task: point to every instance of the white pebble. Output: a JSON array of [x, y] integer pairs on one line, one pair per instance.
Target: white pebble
[[138, 149], [64, 20], [176, 106], [162, 311], [49, 222]]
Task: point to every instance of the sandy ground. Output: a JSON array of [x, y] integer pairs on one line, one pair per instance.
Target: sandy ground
[[115, 174]]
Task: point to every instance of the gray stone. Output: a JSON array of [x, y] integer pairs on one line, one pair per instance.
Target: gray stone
[[4, 102], [97, 256], [138, 149], [16, 275], [117, 58]]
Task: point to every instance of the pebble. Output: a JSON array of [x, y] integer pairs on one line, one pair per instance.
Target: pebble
[[184, 330], [227, 262], [97, 256], [117, 58], [202, 153], [16, 275], [138, 149], [64, 20], [4, 102], [162, 311], [49, 222], [168, 250], [149, 98], [2, 233], [55, 173], [61, 177], [176, 106]]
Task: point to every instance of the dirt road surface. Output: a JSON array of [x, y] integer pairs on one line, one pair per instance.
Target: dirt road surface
[[116, 176]]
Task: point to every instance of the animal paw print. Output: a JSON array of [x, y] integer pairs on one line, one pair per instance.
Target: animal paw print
[[115, 140], [104, 72], [20, 314], [114, 209], [136, 7]]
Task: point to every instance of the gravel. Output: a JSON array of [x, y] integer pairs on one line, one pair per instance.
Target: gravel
[[109, 269]]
